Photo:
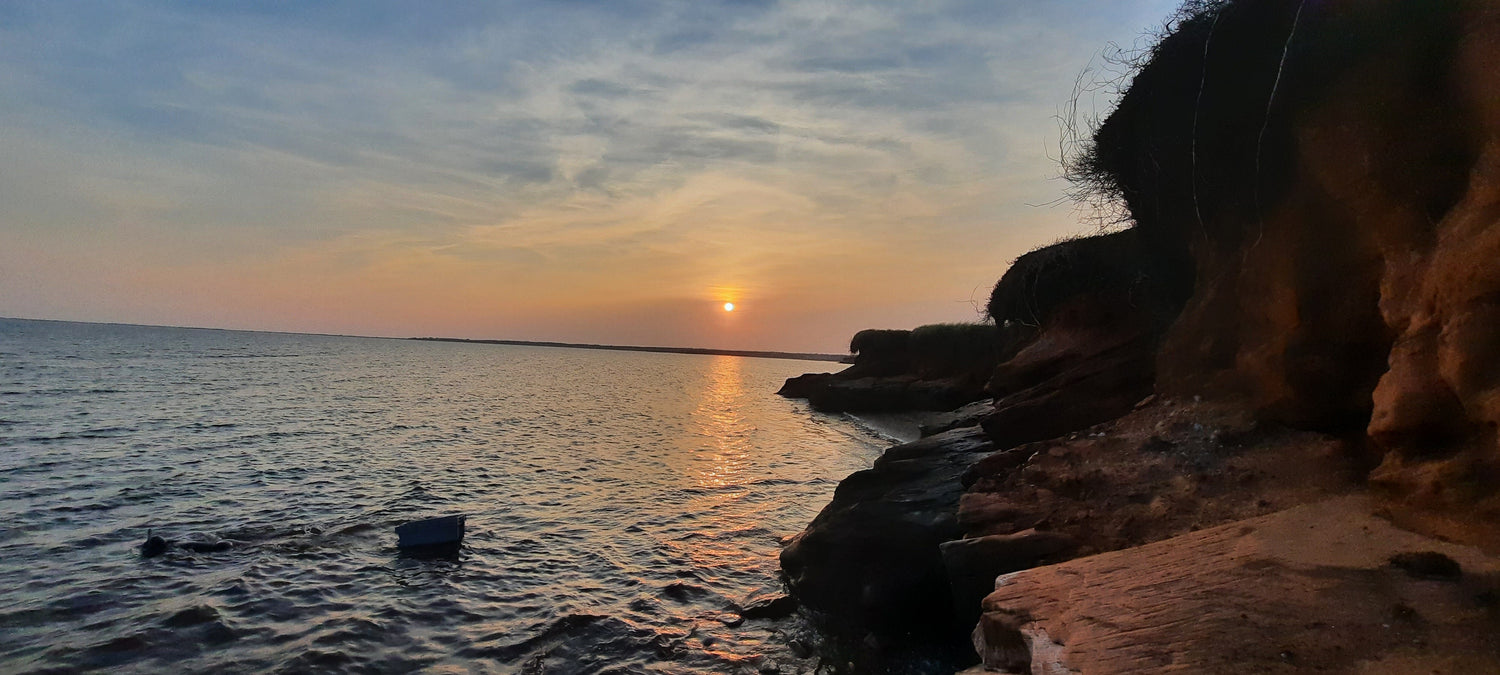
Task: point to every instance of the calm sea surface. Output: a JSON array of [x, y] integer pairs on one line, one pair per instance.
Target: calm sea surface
[[618, 503]]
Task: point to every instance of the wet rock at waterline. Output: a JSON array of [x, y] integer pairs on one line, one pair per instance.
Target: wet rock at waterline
[[871, 557]]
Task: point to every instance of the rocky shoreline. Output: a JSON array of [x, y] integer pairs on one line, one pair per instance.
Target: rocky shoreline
[[1253, 432]]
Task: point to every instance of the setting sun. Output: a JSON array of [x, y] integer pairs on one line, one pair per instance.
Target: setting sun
[[729, 307]]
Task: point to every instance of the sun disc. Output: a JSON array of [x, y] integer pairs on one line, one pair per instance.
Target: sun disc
[[729, 307]]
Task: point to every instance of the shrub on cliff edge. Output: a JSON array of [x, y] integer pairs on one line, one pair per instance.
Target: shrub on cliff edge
[[1115, 266], [956, 348], [1201, 144], [931, 351], [880, 344]]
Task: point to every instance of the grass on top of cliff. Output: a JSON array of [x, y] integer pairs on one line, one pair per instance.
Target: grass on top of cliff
[[1042, 279], [939, 349], [956, 347], [1117, 268], [880, 343]]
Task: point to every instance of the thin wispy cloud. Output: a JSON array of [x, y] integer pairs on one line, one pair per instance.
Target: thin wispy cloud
[[854, 163]]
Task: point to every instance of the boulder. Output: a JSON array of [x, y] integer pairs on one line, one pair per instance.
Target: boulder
[[768, 606], [871, 558], [802, 386]]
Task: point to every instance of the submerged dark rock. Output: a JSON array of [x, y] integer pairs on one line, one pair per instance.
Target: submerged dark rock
[[768, 606], [192, 616], [218, 546], [156, 545]]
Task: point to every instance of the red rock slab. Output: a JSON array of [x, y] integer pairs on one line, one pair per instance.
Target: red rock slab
[[1309, 589]]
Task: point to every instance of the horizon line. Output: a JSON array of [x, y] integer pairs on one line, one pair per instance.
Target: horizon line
[[745, 353]]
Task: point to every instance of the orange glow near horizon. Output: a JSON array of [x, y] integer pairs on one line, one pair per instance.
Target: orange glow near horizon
[[599, 190]]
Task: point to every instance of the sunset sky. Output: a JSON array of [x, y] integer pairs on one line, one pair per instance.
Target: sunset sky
[[608, 171]]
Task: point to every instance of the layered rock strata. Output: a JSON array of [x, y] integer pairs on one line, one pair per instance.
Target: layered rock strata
[[1324, 587]]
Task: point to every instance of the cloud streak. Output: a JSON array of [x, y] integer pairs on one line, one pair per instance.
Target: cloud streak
[[335, 166]]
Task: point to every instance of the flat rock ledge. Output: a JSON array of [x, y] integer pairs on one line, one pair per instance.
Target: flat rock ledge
[[1324, 587]]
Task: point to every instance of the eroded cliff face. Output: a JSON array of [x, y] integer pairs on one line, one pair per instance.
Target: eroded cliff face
[[1306, 307], [1356, 282], [1331, 170], [1438, 405]]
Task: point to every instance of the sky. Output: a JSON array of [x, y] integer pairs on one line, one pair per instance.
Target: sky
[[605, 172]]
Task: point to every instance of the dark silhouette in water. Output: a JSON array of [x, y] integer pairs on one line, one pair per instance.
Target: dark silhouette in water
[[156, 545]]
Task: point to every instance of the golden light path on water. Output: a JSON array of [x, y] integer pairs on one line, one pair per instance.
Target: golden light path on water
[[719, 419], [720, 463]]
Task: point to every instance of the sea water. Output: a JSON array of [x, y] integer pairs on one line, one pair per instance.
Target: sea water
[[619, 503]]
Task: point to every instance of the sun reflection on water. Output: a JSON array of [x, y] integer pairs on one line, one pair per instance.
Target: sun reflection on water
[[719, 419], [720, 474]]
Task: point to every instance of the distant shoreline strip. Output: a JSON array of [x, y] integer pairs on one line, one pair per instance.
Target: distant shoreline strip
[[797, 356]]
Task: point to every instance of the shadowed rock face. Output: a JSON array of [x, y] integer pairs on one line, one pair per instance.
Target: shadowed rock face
[[1333, 168], [933, 368], [871, 557], [836, 393], [1166, 469], [1090, 363], [1101, 305], [1438, 405]]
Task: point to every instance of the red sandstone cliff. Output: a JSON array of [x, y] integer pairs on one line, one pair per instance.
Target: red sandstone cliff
[[1334, 170], [1311, 288]]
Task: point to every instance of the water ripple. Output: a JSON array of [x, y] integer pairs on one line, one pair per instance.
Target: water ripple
[[619, 503]]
